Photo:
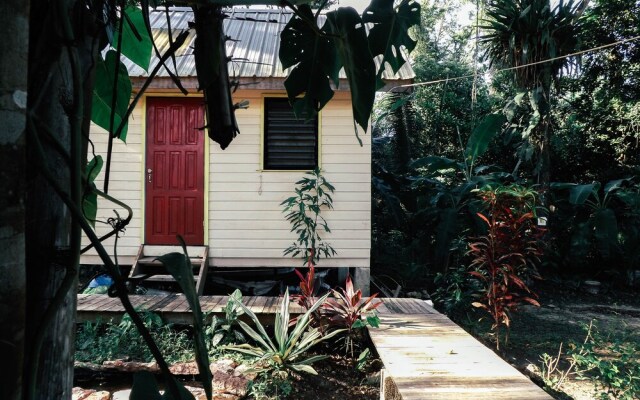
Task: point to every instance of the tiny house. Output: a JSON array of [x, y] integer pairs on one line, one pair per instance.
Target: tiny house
[[177, 181]]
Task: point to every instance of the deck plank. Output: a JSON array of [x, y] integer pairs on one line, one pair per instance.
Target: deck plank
[[426, 356]]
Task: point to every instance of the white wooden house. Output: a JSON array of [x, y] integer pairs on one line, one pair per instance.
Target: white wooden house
[[178, 181]]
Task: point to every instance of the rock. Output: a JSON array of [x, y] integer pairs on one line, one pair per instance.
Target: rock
[[131, 366], [224, 365], [78, 393], [121, 395], [187, 368], [102, 395], [227, 383]]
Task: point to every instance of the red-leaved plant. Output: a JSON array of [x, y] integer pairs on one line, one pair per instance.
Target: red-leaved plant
[[306, 297], [346, 311], [507, 254]]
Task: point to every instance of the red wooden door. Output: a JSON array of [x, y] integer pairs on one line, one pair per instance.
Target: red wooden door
[[174, 180]]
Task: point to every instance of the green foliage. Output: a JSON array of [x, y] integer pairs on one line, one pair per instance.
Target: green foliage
[[609, 361], [506, 256], [90, 198], [596, 224], [454, 291], [390, 30], [363, 357], [598, 115], [527, 31], [97, 342], [103, 93], [317, 54], [224, 330], [313, 194], [287, 352], [272, 386], [136, 43]]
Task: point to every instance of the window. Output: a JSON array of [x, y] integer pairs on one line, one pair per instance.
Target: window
[[289, 143]]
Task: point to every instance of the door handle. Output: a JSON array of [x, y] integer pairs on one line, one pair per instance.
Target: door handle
[[149, 173]]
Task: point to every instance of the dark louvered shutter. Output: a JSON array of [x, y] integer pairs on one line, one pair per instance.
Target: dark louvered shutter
[[289, 143]]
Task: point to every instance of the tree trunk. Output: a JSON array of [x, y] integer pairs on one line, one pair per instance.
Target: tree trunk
[[14, 25], [52, 235]]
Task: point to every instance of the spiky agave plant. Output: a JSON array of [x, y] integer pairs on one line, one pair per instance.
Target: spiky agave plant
[[286, 352]]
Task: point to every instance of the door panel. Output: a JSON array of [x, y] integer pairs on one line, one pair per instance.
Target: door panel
[[174, 171]]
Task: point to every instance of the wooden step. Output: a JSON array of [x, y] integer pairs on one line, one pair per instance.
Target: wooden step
[[155, 261], [146, 263], [164, 278]]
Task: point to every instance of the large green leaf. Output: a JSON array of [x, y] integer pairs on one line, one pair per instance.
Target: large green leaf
[[179, 266], [355, 57], [314, 61], [90, 198], [435, 163], [390, 29], [605, 230], [136, 43], [103, 93], [483, 134], [580, 193]]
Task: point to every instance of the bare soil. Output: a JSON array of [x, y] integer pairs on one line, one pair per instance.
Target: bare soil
[[564, 312]]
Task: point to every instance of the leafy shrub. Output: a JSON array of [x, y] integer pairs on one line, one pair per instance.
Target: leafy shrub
[[454, 291], [313, 194], [610, 361], [98, 342], [224, 330], [597, 225]]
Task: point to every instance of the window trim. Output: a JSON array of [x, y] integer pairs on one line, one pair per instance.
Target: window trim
[[263, 142]]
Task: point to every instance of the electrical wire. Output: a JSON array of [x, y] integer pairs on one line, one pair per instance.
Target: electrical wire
[[577, 53]]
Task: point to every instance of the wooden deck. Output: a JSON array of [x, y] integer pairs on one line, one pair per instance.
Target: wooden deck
[[173, 308], [425, 355]]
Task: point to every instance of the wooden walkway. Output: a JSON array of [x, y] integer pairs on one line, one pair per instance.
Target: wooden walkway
[[425, 355]]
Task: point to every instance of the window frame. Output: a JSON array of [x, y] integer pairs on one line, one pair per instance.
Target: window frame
[[264, 136]]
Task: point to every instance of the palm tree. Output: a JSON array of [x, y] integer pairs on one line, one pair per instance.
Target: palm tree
[[523, 34]]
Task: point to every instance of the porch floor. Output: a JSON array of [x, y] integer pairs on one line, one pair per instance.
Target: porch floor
[[425, 355]]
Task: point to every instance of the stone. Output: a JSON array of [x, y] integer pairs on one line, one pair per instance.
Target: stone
[[223, 365], [227, 383], [186, 368], [78, 393], [131, 366], [121, 395], [102, 395]]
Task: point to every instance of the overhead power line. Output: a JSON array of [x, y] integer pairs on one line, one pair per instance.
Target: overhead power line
[[577, 53]]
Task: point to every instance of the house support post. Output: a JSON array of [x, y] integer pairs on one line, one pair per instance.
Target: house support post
[[361, 280]]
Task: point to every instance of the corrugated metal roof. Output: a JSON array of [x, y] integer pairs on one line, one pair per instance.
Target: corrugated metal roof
[[256, 34]]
